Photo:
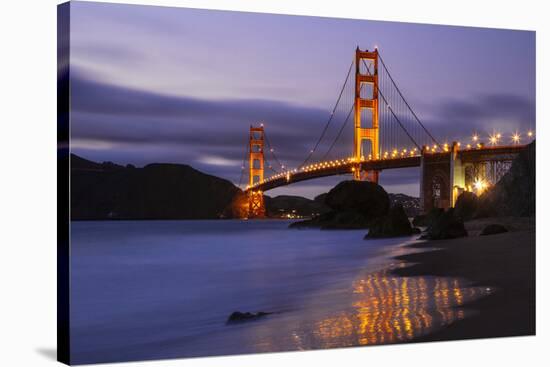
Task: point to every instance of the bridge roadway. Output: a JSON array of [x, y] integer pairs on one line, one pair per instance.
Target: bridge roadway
[[341, 167]]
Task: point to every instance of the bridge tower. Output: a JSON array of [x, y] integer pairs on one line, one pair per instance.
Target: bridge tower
[[366, 133], [256, 207]]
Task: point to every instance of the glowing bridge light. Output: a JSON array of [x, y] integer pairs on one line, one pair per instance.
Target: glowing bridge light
[[493, 139], [479, 186], [475, 137], [530, 134], [516, 138]]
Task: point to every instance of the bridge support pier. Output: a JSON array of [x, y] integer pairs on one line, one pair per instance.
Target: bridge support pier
[[256, 205], [442, 178]]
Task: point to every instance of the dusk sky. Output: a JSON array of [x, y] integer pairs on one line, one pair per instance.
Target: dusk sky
[[160, 84]]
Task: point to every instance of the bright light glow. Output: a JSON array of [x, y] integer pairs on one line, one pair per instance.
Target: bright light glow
[[530, 133], [516, 138], [475, 137], [480, 186], [493, 139]]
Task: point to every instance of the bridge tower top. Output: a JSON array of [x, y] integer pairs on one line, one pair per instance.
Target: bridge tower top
[[370, 133]]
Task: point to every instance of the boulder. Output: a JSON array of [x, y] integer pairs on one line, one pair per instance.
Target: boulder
[[466, 205], [366, 198], [493, 229], [446, 226], [394, 224], [425, 220], [245, 316], [353, 205], [419, 220]]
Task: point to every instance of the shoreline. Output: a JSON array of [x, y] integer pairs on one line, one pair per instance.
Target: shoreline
[[505, 262]]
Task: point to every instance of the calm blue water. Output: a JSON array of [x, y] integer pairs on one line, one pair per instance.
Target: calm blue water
[[161, 289]]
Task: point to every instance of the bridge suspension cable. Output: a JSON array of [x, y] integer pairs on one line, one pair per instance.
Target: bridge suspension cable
[[345, 121], [405, 100], [243, 165], [342, 127], [272, 153], [323, 132], [391, 110]]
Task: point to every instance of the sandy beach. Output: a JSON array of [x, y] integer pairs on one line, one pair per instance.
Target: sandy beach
[[505, 262]]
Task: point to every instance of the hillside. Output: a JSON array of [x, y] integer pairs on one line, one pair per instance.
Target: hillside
[[156, 191], [293, 206], [410, 204]]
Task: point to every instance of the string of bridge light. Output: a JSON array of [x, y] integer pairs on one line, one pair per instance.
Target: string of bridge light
[[494, 139]]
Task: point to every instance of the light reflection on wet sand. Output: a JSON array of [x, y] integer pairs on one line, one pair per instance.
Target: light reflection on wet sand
[[384, 309], [391, 309]]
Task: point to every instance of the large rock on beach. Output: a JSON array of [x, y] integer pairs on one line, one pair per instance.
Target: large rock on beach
[[425, 220], [493, 229], [446, 226], [466, 205]]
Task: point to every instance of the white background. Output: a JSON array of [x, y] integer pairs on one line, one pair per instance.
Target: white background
[[28, 182]]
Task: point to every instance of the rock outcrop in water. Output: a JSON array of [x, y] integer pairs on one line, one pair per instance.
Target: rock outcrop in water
[[237, 316], [394, 224], [424, 220], [353, 205]]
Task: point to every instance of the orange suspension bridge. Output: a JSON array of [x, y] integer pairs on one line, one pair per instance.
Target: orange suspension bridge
[[385, 121]]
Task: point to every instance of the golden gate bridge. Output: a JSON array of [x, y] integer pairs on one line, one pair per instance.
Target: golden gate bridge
[[387, 134]]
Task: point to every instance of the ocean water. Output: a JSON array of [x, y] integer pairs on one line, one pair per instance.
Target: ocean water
[[164, 289]]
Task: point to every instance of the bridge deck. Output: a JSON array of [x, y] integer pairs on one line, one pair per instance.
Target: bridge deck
[[331, 169], [342, 167]]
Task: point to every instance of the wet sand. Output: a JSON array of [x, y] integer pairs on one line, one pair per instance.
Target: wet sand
[[505, 262]]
